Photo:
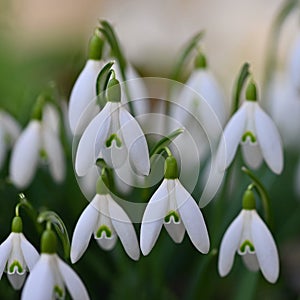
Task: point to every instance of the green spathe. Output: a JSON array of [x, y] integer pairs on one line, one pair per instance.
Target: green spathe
[[48, 242], [249, 200], [171, 168]]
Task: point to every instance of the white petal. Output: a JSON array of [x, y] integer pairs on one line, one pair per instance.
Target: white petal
[[192, 218], [176, 231], [5, 249], [30, 254], [252, 154], [250, 260], [230, 244], [40, 282], [135, 141], [232, 135], [153, 218], [108, 243], [25, 155], [55, 154], [74, 284], [16, 280], [83, 231], [51, 118], [93, 137], [83, 93], [124, 229], [265, 248], [11, 126], [269, 140]]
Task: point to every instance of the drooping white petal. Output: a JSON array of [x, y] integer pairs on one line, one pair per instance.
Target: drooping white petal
[[230, 244], [265, 248], [233, 133], [269, 140], [124, 228], [83, 231], [83, 93], [40, 282], [135, 141], [5, 249], [108, 243], [250, 260], [55, 154], [294, 63], [192, 218], [153, 218], [51, 118], [30, 254], [11, 127], [16, 280], [25, 155], [176, 231], [252, 154], [74, 284], [92, 139]]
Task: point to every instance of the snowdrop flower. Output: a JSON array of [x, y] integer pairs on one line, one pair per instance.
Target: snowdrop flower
[[249, 237], [9, 132], [202, 98], [294, 64], [116, 135], [17, 255], [84, 90], [172, 206], [38, 140], [50, 275], [104, 218], [251, 127]]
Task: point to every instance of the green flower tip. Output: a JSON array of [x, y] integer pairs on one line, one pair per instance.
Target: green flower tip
[[171, 168], [102, 185], [200, 61], [17, 225], [48, 242], [114, 91], [95, 47], [251, 92], [249, 200]]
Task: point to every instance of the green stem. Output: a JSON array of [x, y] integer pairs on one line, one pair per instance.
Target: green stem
[[264, 196]]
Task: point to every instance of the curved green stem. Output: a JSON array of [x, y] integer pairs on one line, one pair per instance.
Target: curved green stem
[[266, 202]]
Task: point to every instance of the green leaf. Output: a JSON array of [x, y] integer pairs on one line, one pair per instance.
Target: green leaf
[[102, 82], [165, 142], [243, 75], [60, 228]]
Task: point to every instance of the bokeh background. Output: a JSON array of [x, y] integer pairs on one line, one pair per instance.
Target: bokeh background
[[43, 41]]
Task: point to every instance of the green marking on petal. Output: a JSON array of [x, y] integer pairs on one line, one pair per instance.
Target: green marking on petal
[[59, 291], [43, 154], [250, 135], [17, 265], [113, 137], [105, 229], [172, 214], [246, 244]]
